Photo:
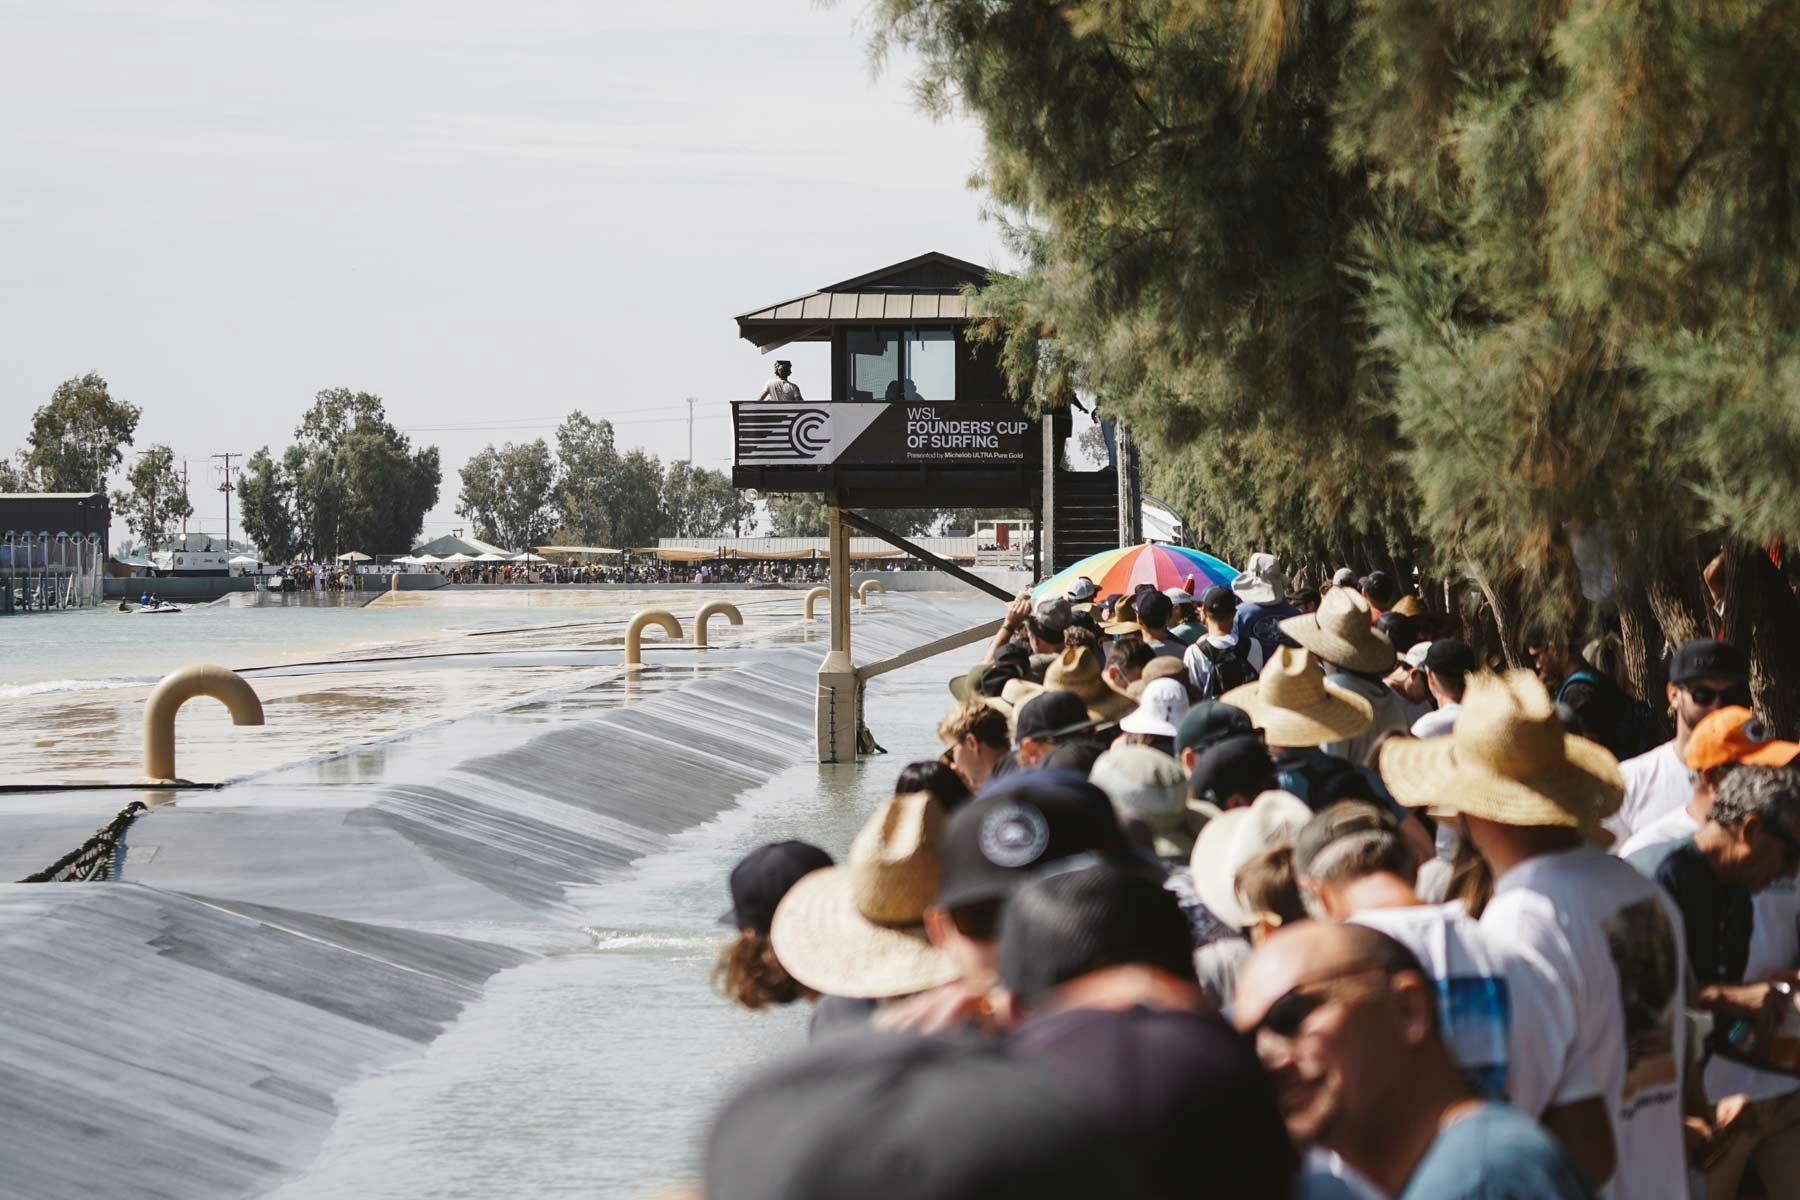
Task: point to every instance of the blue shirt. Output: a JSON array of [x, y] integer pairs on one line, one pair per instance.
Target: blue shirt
[[1495, 1153], [1263, 622]]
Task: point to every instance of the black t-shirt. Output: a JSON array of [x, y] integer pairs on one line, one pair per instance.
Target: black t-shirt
[[1718, 916]]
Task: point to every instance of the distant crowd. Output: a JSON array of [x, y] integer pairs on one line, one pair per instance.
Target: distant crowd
[[1222, 891]]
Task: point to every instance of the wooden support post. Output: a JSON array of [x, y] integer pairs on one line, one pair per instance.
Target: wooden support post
[[1047, 535], [837, 711], [839, 533]]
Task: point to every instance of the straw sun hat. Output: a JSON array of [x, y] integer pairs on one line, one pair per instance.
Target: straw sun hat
[[1508, 760], [1077, 670], [1295, 705], [1340, 633], [857, 930]]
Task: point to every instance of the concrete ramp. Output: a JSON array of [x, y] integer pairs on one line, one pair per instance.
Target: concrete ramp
[[158, 1044]]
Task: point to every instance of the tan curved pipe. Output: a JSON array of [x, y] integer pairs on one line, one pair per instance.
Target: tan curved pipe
[[634, 632], [817, 593], [862, 591], [176, 689], [718, 608]]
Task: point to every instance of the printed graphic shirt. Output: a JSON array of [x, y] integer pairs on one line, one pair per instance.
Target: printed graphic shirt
[[1608, 946]]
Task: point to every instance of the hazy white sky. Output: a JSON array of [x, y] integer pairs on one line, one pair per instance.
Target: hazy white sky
[[487, 213]]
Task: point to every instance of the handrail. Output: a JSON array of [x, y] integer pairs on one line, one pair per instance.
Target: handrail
[[176, 689], [718, 608], [862, 591], [634, 632], [818, 593]]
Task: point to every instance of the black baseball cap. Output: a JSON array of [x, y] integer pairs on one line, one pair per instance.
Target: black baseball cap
[[1078, 917], [1451, 656], [763, 877], [1232, 766], [1209, 721], [1705, 658], [1013, 652], [1219, 598], [1155, 609], [1014, 826], [1050, 715], [884, 1116]]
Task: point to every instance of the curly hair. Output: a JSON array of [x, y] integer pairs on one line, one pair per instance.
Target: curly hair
[[748, 974]]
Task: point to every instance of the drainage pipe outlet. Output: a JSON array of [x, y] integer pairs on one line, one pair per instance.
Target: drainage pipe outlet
[[634, 632], [176, 689], [718, 608], [817, 593], [867, 586]]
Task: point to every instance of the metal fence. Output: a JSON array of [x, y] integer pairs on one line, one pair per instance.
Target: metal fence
[[42, 571]]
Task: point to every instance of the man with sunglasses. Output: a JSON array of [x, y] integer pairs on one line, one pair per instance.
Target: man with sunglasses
[[1704, 676], [1345, 1021], [1732, 878]]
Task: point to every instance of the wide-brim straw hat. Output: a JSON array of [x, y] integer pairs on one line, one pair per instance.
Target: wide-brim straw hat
[[1163, 666], [857, 930], [1295, 705], [1509, 760], [1340, 633], [1078, 670]]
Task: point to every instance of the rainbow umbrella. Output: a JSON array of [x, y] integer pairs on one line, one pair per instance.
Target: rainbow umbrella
[[1123, 569]]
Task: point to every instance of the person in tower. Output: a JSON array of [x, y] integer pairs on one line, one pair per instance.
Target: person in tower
[[781, 389]]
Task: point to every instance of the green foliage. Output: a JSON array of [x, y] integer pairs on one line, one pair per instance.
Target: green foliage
[[266, 508], [697, 502], [155, 499], [79, 437], [15, 476], [355, 482], [797, 514], [587, 464], [637, 510], [509, 494]]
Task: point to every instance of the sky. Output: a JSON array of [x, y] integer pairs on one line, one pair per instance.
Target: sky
[[488, 214]]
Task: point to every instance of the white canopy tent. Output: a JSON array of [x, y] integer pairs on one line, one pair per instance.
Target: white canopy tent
[[490, 558], [529, 557], [354, 556], [459, 559], [243, 560], [425, 560]]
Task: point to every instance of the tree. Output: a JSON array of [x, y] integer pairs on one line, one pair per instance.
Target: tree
[[156, 498], [15, 476], [797, 514], [587, 464], [79, 437], [698, 502], [509, 493], [355, 480], [636, 500], [266, 507]]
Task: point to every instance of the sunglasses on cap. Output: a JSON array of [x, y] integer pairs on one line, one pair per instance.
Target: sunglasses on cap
[[1708, 697], [1285, 1018]]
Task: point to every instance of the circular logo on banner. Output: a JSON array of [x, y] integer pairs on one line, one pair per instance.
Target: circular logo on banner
[[807, 436], [1013, 836]]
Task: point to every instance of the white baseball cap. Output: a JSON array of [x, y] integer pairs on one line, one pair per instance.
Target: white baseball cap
[[1082, 589]]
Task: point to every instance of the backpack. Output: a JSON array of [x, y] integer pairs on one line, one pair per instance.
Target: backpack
[[1228, 667], [1321, 780], [1635, 726]]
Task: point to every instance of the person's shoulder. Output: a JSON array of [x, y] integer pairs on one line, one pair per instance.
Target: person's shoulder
[[1495, 1153], [1650, 761], [1661, 860]]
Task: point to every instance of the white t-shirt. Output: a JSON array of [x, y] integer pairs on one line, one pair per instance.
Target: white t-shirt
[[1774, 946], [1608, 945], [1490, 1017], [1389, 709], [1199, 668], [782, 391], [1437, 722], [1656, 784]]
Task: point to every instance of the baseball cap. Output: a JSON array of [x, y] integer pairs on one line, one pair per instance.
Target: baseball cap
[[1705, 658], [1736, 735], [1415, 655], [1014, 826], [1232, 766], [903, 1117], [1451, 656], [1344, 577], [1218, 599], [763, 876], [1209, 721], [1084, 915], [1050, 715], [1155, 609], [1147, 786], [1179, 596], [1082, 590], [1053, 611]]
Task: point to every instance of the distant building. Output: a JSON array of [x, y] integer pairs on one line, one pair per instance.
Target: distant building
[[73, 513]]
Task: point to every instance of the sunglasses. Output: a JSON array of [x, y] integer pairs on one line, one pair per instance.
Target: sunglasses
[[1291, 1009], [1706, 697]]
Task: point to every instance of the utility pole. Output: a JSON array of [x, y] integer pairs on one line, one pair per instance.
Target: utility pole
[[690, 401], [226, 488], [184, 493]]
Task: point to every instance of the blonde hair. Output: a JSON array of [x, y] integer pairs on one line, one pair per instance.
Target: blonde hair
[[986, 723], [749, 975]]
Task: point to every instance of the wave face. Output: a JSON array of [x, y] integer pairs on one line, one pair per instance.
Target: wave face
[[49, 687]]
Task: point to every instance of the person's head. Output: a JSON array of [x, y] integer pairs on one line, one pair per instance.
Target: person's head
[[1076, 754], [899, 1117], [1232, 772], [1270, 892], [1149, 794], [1206, 723], [976, 737], [1154, 611], [1401, 631], [1081, 635], [1382, 589], [1014, 827], [747, 972], [1345, 1021], [1408, 676], [1345, 577], [1343, 845], [1448, 664], [783, 368], [1046, 719], [1548, 653], [1218, 607], [1758, 811], [1089, 916], [1306, 600], [1186, 605], [1704, 676], [1126, 659], [1726, 739], [936, 778]]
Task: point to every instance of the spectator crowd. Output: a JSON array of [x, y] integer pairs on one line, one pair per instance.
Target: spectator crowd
[[1259, 894]]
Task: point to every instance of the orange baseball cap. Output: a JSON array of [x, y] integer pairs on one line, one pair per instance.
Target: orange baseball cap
[[1737, 735]]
